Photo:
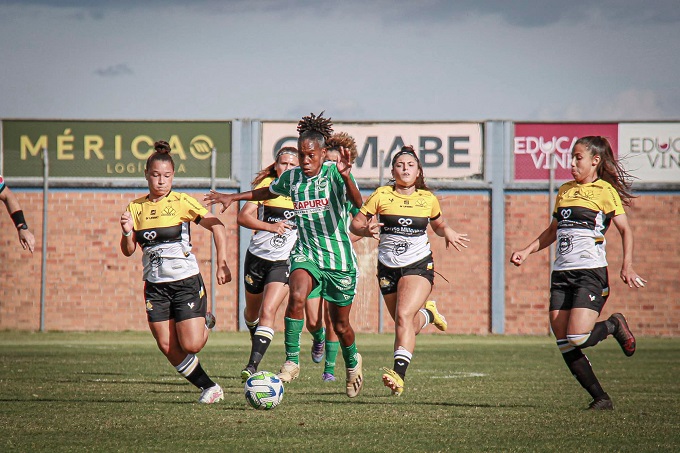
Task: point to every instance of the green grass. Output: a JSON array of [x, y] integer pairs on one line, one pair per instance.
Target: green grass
[[116, 392]]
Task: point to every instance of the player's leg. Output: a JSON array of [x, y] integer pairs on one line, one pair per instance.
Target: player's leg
[[353, 363], [314, 321], [332, 346], [254, 278], [301, 284], [273, 296], [189, 306]]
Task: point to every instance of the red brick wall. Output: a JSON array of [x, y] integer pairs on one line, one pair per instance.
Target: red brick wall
[[92, 286]]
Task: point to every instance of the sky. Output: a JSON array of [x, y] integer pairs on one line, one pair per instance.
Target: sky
[[359, 60]]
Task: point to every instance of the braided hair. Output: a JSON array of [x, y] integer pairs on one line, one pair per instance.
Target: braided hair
[[162, 153], [609, 169], [315, 128]]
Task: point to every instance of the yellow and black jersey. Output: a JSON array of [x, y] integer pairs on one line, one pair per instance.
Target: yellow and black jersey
[[162, 229], [403, 236], [583, 213], [265, 244]]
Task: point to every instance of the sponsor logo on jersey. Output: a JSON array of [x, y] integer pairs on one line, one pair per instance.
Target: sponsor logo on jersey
[[566, 213], [591, 297], [299, 259], [405, 221], [311, 204], [191, 305], [150, 235]]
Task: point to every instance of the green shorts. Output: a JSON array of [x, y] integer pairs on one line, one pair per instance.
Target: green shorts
[[338, 287]]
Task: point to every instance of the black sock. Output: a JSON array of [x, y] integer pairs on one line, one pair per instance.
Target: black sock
[[192, 370], [583, 372], [262, 338], [600, 332], [252, 327], [402, 359]]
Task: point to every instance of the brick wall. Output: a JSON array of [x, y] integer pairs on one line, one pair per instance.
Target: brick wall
[[92, 286]]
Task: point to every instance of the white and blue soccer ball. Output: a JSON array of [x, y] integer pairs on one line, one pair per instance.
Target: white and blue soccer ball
[[264, 390]]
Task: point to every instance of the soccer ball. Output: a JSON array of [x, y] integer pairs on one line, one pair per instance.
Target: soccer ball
[[264, 390]]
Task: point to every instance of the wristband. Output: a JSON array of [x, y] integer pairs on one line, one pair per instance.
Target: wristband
[[128, 234], [19, 220]]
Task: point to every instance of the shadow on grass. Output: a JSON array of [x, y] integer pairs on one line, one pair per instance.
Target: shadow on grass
[[380, 400]]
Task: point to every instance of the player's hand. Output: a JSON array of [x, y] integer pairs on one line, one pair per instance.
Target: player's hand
[[456, 239], [344, 166], [374, 230], [126, 222], [27, 240], [223, 274], [518, 258], [215, 197], [631, 278], [280, 228]]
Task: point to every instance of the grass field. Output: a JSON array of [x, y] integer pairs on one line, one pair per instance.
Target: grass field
[[116, 392]]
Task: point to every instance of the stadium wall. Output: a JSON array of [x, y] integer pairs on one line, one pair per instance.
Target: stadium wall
[[92, 286]]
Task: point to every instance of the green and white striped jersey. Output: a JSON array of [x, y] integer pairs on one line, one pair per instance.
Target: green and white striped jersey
[[320, 204]]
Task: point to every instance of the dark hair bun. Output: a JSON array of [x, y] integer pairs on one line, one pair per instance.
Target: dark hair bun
[[162, 147]]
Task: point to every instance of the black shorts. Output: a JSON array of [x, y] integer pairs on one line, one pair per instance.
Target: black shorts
[[180, 300], [388, 277], [259, 272], [581, 288]]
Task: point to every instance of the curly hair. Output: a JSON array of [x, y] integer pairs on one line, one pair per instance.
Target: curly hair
[[343, 139], [609, 168], [315, 127], [162, 153]]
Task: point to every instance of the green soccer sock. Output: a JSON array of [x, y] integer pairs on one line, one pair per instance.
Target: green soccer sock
[[319, 336], [331, 353], [291, 338], [349, 353]]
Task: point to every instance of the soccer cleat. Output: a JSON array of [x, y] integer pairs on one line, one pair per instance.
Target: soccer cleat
[[623, 334], [247, 372], [439, 320], [328, 377], [211, 395], [210, 320], [317, 351], [392, 380], [289, 371], [355, 379], [603, 403]]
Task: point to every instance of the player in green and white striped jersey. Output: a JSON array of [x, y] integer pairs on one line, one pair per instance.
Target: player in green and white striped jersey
[[323, 263]]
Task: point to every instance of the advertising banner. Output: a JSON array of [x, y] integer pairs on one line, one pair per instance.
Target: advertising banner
[[534, 142], [651, 151], [445, 150], [112, 149]]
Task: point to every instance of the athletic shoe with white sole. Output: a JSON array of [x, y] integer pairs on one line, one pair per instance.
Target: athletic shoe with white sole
[[211, 395], [289, 371], [393, 381], [355, 379], [439, 320], [328, 377], [318, 351]]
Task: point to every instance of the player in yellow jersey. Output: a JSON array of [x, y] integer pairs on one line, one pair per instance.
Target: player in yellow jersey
[[405, 264], [579, 287], [174, 292], [266, 263]]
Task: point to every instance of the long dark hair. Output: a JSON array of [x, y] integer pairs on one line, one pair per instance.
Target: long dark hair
[[162, 154], [609, 168], [270, 170], [420, 179]]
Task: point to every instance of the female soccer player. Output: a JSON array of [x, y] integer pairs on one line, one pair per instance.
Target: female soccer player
[[405, 264], [323, 263], [266, 262], [579, 286], [316, 308], [174, 292]]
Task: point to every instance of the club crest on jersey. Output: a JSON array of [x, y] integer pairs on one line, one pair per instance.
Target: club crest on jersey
[[278, 241], [248, 279], [168, 211], [345, 282], [400, 248], [155, 258], [385, 282], [322, 183], [149, 307], [565, 244], [420, 203]]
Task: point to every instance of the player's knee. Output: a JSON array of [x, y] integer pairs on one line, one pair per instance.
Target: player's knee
[[578, 340]]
